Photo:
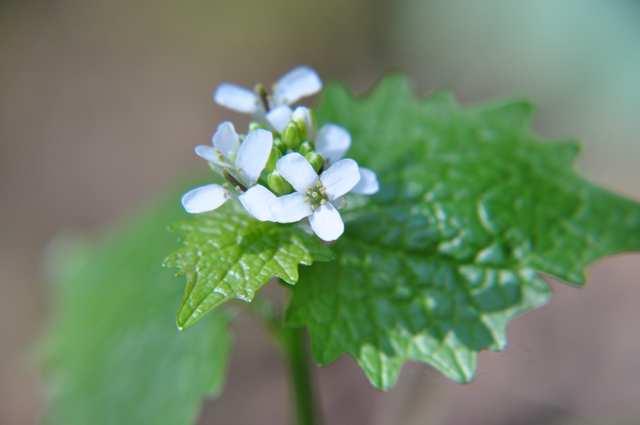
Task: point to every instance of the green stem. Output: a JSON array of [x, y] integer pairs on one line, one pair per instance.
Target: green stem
[[293, 344], [300, 373]]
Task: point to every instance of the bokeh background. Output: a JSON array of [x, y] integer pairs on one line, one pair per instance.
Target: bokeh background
[[101, 103]]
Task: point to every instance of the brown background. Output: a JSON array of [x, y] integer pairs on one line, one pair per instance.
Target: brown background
[[101, 103]]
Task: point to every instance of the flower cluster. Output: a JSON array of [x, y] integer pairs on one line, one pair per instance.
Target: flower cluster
[[284, 169]]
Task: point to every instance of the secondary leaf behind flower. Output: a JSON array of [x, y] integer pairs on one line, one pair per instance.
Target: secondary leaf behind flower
[[114, 355], [472, 206]]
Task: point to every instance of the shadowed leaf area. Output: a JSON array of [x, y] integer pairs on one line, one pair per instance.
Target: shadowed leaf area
[[473, 206], [114, 355]]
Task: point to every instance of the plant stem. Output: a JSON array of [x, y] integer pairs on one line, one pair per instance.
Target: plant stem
[[292, 342], [300, 373]]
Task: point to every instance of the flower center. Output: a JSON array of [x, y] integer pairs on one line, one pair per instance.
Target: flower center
[[316, 195]]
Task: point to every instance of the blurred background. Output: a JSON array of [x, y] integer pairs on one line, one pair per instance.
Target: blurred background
[[101, 103]]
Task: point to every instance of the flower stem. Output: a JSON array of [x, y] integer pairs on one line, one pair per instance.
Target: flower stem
[[292, 342], [234, 182], [301, 377]]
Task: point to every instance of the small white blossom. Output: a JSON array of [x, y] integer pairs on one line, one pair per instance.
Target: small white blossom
[[314, 195], [225, 143], [294, 85], [242, 161], [332, 143]]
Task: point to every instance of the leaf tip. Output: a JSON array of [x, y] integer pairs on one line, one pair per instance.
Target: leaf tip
[[187, 316]]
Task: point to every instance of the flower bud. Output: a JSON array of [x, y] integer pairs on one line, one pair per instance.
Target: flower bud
[[316, 160], [278, 184], [274, 156], [291, 136], [305, 148], [303, 118]]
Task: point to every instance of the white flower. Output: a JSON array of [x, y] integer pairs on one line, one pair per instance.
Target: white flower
[[242, 161], [314, 196], [225, 143], [294, 85], [332, 143]]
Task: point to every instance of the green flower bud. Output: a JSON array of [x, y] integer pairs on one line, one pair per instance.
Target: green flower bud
[[291, 136], [274, 156], [316, 160], [305, 148], [302, 129], [303, 117], [278, 184], [254, 126]]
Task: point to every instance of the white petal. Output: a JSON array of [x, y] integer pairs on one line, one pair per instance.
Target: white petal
[[302, 114], [254, 154], [237, 98], [204, 198], [332, 142], [291, 208], [297, 171], [226, 140], [340, 178], [257, 201], [327, 223], [368, 184], [279, 117], [296, 84], [211, 155], [206, 152]]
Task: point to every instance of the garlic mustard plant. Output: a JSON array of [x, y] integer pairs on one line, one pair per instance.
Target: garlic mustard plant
[[475, 208]]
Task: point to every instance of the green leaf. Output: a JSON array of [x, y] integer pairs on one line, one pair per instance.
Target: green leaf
[[114, 355], [473, 206], [227, 254]]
